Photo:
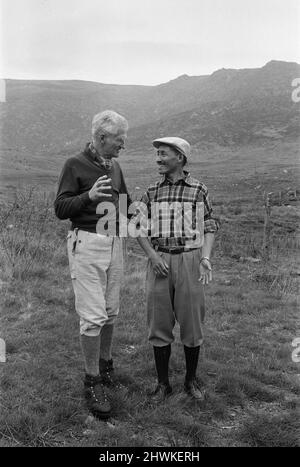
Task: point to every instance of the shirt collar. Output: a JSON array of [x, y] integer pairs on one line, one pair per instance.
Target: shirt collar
[[185, 179], [106, 163]]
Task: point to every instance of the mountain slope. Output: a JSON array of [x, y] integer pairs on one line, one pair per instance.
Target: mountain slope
[[43, 122]]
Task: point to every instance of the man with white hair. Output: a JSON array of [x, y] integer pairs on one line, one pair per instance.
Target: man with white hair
[[95, 257]]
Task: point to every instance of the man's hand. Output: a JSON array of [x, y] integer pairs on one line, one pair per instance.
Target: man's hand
[[205, 272], [98, 189], [159, 265]]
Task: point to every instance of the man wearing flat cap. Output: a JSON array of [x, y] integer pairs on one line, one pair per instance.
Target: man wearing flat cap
[[178, 242]]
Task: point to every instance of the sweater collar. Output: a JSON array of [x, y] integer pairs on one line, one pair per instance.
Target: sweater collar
[[91, 151]]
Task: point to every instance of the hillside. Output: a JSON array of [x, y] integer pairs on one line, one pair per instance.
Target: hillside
[[231, 123], [44, 122]]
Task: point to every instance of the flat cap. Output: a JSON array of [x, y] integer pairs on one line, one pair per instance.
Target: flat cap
[[178, 143]]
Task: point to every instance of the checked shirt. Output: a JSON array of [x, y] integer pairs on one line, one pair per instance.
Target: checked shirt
[[178, 214]]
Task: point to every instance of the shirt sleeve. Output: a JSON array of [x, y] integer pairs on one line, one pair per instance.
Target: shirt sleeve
[[69, 203], [211, 223]]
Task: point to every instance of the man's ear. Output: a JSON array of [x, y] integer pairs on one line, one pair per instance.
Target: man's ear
[[180, 157], [98, 139]]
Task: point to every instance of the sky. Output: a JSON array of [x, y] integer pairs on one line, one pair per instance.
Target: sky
[[143, 41]]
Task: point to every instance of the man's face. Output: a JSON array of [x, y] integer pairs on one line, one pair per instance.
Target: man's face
[[113, 143], [167, 159]]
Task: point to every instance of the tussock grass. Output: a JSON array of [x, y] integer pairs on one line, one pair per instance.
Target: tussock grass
[[246, 361], [262, 430], [239, 388]]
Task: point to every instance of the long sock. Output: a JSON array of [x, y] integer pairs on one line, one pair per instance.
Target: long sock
[[191, 360], [162, 356], [91, 350], [106, 338]]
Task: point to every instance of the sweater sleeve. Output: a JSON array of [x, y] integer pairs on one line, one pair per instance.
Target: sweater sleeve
[[69, 202]]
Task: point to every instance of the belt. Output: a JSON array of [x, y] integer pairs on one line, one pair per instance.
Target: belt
[[87, 230], [176, 250]]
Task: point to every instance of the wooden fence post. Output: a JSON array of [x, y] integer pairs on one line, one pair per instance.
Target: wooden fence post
[[2, 351], [277, 198], [267, 227]]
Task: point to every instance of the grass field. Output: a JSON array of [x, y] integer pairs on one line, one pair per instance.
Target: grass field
[[252, 382]]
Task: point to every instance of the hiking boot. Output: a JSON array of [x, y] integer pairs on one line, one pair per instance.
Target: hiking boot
[[161, 392], [195, 389], [107, 374], [96, 398]]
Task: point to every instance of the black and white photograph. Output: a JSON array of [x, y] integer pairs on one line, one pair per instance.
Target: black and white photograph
[[149, 226]]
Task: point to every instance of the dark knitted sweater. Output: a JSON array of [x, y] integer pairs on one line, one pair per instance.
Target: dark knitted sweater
[[77, 177]]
